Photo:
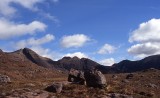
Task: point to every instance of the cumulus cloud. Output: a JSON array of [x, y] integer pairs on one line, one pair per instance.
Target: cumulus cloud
[[10, 29], [76, 40], [35, 42], [7, 9], [106, 49], [36, 45], [107, 62], [45, 52], [147, 31], [77, 54], [147, 37], [144, 49]]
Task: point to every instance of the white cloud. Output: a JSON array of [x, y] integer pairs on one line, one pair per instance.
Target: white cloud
[[107, 62], [77, 54], [36, 45], [42, 40], [45, 52], [7, 10], [10, 29], [145, 49], [76, 40], [147, 31], [50, 17], [106, 49], [35, 42], [147, 37]]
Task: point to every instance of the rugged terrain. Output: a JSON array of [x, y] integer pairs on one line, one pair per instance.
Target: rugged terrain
[[30, 74], [144, 84]]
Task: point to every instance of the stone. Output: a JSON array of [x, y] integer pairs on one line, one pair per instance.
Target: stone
[[95, 78], [76, 76], [55, 88], [30, 85], [152, 85], [4, 79], [114, 76], [125, 81], [129, 76]]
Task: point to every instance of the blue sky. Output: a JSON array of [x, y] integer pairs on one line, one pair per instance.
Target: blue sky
[[106, 31]]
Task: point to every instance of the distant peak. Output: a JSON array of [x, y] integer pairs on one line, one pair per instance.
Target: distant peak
[[66, 57], [26, 49], [1, 51], [75, 57]]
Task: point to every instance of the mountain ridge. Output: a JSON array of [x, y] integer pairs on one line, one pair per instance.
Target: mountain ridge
[[66, 63]]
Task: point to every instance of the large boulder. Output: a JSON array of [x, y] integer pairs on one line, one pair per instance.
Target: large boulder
[[4, 79], [95, 78], [76, 76]]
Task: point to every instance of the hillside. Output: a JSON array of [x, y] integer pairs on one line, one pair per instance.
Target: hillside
[[20, 66], [133, 66]]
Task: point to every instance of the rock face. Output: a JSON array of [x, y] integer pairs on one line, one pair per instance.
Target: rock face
[[55, 88], [95, 78], [4, 79], [76, 76], [35, 58], [92, 78]]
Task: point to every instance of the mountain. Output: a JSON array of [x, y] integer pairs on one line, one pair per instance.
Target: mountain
[[35, 58], [76, 63], [25, 64], [66, 63], [133, 66], [28, 56]]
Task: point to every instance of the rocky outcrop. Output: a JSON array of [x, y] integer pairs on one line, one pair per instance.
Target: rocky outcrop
[[95, 78], [92, 78], [76, 76]]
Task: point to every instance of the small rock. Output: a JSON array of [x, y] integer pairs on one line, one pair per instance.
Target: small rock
[[114, 76], [125, 81], [152, 85], [30, 85], [56, 88], [4, 79], [129, 76], [44, 84]]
